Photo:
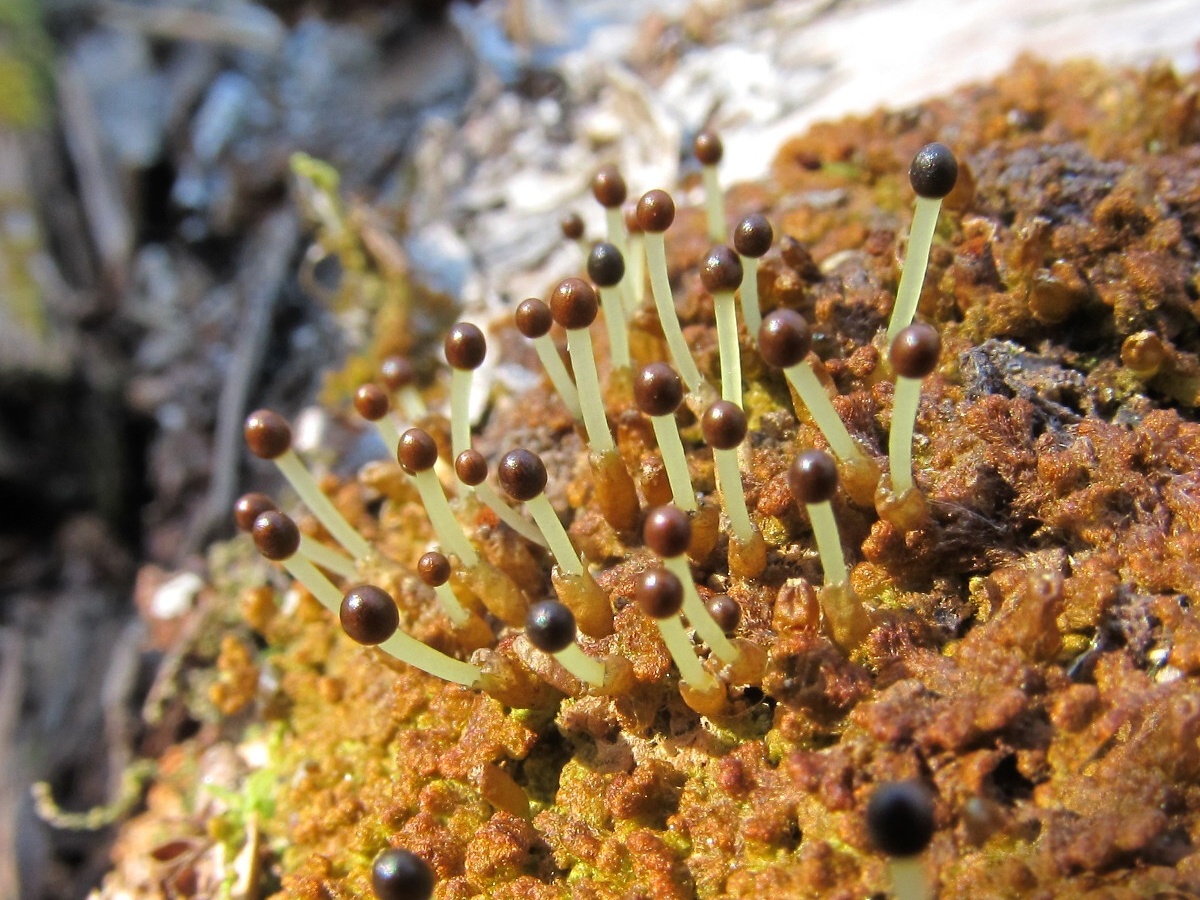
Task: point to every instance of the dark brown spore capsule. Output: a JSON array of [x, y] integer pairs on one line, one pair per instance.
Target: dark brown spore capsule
[[659, 594], [371, 402], [470, 467], [608, 187], [721, 270], [522, 474], [465, 346], [369, 615], [658, 390], [573, 304], [933, 172], [417, 451], [267, 433], [401, 875], [724, 425], [605, 265], [656, 211], [434, 568], [753, 235], [396, 372], [248, 508], [275, 535], [533, 318], [783, 338], [667, 531], [915, 350], [572, 226], [813, 477], [550, 626], [900, 818], [726, 612], [632, 225], [708, 148]]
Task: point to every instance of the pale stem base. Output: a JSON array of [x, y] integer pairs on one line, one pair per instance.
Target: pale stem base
[[582, 666], [699, 618], [829, 542], [680, 648]]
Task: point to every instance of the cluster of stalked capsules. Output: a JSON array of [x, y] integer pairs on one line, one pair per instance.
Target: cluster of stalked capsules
[[479, 598]]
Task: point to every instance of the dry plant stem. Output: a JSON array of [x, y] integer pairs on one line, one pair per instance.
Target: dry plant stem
[[916, 260], [616, 494], [321, 506], [449, 532], [905, 400], [680, 648], [559, 542], [909, 881], [820, 407], [675, 462], [586, 600], [751, 314], [327, 557], [508, 515], [829, 542], [714, 204], [729, 483], [582, 666], [460, 411], [559, 377], [617, 327], [693, 607], [664, 302], [635, 276], [727, 342], [579, 345]]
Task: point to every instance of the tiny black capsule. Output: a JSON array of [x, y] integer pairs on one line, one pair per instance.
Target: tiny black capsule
[[726, 612], [471, 467], [371, 402], [783, 338], [401, 875], [724, 425], [417, 452], [368, 614], [533, 318], [605, 265], [396, 372], [915, 350], [573, 304], [465, 346], [434, 568], [267, 434], [275, 535], [900, 818], [753, 235], [813, 477], [248, 508], [572, 226], [522, 474], [667, 531], [933, 172], [721, 270], [550, 626], [708, 148], [608, 187], [656, 211], [659, 594], [658, 390]]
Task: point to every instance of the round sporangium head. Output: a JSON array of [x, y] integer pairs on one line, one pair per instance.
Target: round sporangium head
[[550, 626], [708, 147], [371, 402], [248, 508], [933, 172], [605, 265], [572, 226], [753, 235], [267, 433], [533, 318], [658, 390], [915, 350], [401, 875], [721, 270], [632, 225], [726, 612], [783, 338], [724, 425], [465, 346], [658, 593], [369, 615], [900, 818], [522, 474], [608, 187], [667, 531], [275, 535], [470, 467], [396, 372], [434, 568], [656, 211], [573, 304], [417, 452], [813, 477]]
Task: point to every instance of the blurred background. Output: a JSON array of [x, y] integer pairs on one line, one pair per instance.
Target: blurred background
[[165, 264]]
